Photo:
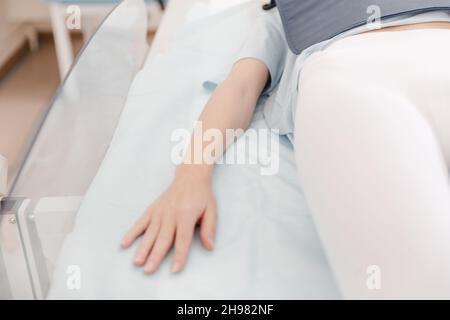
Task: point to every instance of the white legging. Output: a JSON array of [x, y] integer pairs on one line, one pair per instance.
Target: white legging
[[372, 143]]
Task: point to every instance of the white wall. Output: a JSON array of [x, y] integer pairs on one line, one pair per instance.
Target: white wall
[[12, 34], [29, 10]]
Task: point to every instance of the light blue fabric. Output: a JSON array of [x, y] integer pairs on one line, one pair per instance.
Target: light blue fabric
[[265, 35], [268, 44]]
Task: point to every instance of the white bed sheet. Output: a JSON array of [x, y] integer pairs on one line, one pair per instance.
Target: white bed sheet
[[266, 247]]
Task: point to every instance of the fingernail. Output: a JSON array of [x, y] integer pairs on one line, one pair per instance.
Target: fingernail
[[211, 243], [139, 261], [150, 267], [176, 267]]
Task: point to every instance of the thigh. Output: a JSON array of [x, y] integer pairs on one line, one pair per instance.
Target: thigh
[[414, 63], [376, 181], [430, 90]]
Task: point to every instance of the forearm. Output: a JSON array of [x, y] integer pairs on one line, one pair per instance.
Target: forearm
[[228, 113]]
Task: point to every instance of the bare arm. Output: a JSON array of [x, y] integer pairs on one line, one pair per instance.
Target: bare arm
[[171, 219]]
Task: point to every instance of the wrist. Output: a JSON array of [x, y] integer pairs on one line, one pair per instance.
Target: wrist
[[194, 171]]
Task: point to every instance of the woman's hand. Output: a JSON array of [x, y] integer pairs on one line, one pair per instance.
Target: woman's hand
[[171, 220]]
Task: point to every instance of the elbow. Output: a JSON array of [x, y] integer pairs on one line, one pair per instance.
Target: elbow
[[243, 90]]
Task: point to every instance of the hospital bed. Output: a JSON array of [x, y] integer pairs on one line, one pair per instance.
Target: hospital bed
[[102, 153]]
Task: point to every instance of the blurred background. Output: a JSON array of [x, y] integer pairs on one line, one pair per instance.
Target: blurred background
[[36, 49]]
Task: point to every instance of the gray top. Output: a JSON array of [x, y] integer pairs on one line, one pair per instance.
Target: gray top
[[308, 22]]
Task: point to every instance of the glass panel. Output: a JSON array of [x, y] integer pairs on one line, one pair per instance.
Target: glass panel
[[74, 136]]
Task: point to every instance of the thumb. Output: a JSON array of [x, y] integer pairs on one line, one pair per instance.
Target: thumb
[[208, 226]]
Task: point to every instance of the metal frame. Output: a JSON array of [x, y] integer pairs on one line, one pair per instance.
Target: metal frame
[[14, 270]]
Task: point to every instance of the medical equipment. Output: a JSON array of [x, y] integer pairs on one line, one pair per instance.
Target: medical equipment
[[304, 25]]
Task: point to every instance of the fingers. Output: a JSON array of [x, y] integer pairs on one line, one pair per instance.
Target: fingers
[[147, 241], [183, 241], [161, 247], [139, 227], [208, 226], [162, 230]]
